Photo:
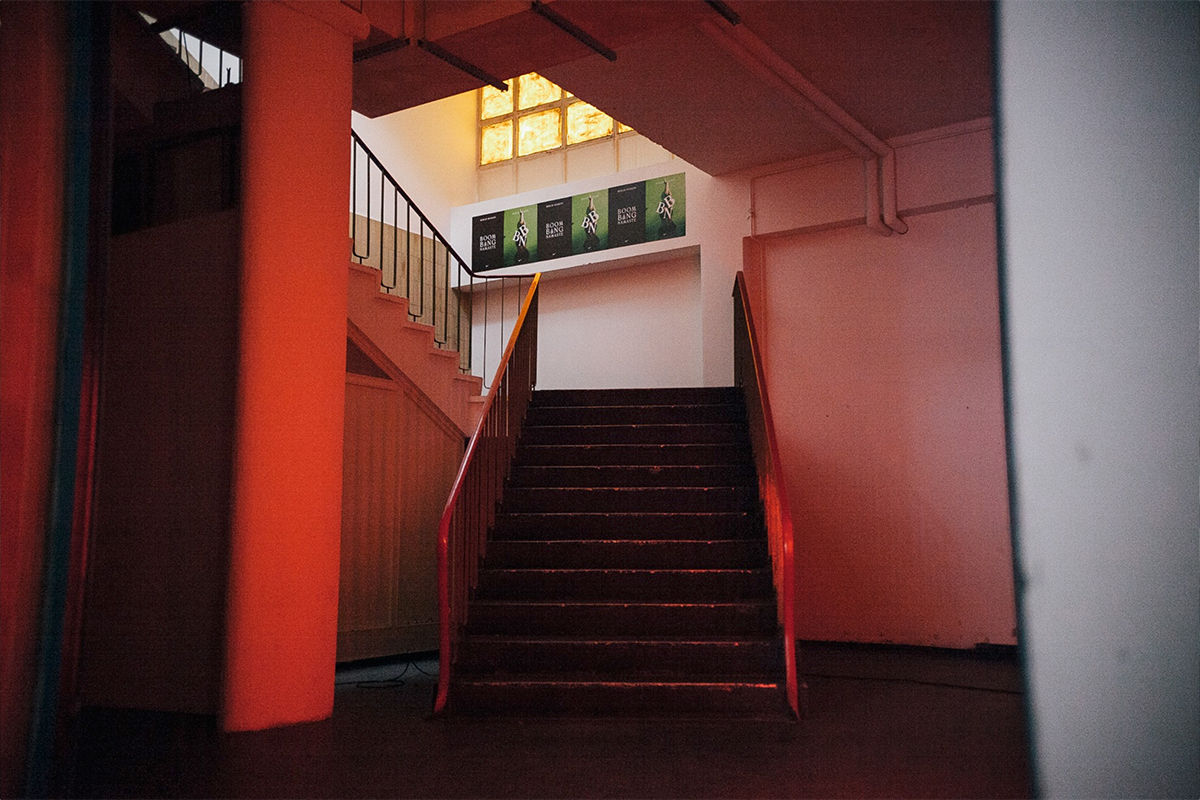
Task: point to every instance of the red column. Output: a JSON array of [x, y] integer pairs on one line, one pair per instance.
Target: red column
[[32, 129], [281, 619]]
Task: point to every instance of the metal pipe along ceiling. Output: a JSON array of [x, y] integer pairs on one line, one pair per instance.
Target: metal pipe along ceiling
[[758, 57]]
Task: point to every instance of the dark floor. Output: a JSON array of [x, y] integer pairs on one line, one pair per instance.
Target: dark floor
[[882, 722]]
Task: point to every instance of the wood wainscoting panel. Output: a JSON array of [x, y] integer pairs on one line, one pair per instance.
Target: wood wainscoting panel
[[400, 458]]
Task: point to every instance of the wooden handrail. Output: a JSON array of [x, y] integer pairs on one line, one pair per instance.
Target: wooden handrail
[[449, 615], [772, 485]]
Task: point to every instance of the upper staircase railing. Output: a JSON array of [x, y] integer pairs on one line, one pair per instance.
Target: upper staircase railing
[[387, 229], [214, 66], [471, 508], [390, 233], [750, 375]]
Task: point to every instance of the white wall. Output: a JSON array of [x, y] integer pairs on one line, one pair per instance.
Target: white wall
[[603, 157], [1100, 154], [430, 151], [885, 374], [718, 217], [639, 327]]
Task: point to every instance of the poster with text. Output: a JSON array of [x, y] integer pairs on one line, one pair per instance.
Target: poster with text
[[487, 241], [520, 236], [554, 229], [627, 214], [589, 213], [666, 206], [633, 213]]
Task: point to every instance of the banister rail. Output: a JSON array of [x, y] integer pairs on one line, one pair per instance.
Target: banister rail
[[750, 375], [389, 232], [471, 507]]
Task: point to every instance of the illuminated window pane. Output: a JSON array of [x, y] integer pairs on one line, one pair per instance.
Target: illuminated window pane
[[540, 131], [536, 90], [495, 102], [496, 143], [586, 122], [622, 127]]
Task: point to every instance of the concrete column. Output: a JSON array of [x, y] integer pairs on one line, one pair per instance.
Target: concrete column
[[281, 616]]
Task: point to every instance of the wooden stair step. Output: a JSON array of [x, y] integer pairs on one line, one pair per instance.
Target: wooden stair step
[[692, 395], [581, 695], [680, 433], [638, 475], [644, 499], [597, 618], [626, 584], [635, 414], [643, 659], [628, 525], [627, 553], [685, 454]]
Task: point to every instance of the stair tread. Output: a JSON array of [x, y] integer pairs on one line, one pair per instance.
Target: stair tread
[[624, 425], [630, 489], [730, 640], [527, 602], [628, 517], [635, 570], [590, 679], [732, 406], [628, 542]]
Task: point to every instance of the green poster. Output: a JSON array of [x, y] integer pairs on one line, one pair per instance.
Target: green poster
[[520, 235], [666, 207], [589, 222], [643, 211]]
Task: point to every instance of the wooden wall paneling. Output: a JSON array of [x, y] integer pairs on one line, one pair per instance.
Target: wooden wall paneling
[[401, 454]]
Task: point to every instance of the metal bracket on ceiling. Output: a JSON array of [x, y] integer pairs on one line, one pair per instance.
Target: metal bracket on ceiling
[[570, 28], [725, 11], [461, 64], [381, 48]]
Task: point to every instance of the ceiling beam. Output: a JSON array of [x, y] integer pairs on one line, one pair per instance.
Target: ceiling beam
[[570, 28]]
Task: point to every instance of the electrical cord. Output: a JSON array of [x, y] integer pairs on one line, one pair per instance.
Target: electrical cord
[[394, 682], [916, 681]]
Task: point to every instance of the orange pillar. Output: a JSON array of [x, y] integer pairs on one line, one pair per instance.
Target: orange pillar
[[281, 617]]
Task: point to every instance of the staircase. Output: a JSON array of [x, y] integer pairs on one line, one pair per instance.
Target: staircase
[[384, 319], [627, 571]]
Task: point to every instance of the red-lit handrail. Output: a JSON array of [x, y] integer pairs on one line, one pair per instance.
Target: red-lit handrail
[[471, 507], [750, 375]]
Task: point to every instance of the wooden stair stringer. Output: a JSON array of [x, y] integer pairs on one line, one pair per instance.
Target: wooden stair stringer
[[383, 319]]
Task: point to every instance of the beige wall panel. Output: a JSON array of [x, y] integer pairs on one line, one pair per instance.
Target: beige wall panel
[[399, 465]]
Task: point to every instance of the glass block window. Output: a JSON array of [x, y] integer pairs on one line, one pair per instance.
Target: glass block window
[[496, 142], [586, 122], [536, 115], [536, 90], [540, 131]]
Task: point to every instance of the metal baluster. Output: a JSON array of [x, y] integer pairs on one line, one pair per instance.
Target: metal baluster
[[446, 302], [395, 240], [408, 255], [422, 227], [354, 202]]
